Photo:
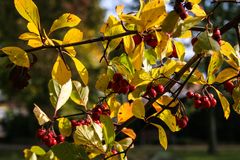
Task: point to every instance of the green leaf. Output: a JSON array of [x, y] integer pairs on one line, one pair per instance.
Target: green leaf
[[17, 56], [214, 65], [162, 136], [102, 82], [79, 93], [170, 22], [205, 43], [69, 151], [226, 74], [150, 55], [224, 103], [54, 90], [138, 108], [38, 150], [108, 130], [66, 20], [180, 50], [86, 135], [65, 126]]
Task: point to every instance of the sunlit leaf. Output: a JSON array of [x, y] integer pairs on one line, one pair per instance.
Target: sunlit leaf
[[82, 71], [38, 150], [129, 44], [164, 101], [33, 28], [150, 55], [224, 103], [61, 72], [114, 105], [65, 126], [236, 98], [138, 109], [180, 50], [137, 56], [17, 56], [102, 82], [198, 11], [214, 65], [126, 142], [40, 115], [79, 93], [108, 130], [29, 155], [170, 22], [169, 119], [66, 20], [125, 112], [129, 132], [28, 10], [72, 36], [35, 43], [226, 74], [28, 35], [194, 1], [162, 136]]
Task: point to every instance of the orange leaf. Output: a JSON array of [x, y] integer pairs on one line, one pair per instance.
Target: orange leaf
[[129, 132], [125, 112]]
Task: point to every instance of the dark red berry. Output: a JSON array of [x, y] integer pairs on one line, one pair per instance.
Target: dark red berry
[[131, 88], [188, 5], [152, 42], [179, 8], [216, 31], [147, 37], [109, 85], [60, 138], [190, 94], [117, 77], [41, 132], [115, 87], [183, 15], [213, 102], [197, 103], [197, 96], [45, 138], [137, 39], [206, 103], [174, 52], [159, 88], [229, 86], [74, 123], [152, 93], [194, 40], [124, 90]]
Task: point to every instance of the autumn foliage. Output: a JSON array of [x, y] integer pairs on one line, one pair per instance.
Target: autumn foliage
[[146, 70]]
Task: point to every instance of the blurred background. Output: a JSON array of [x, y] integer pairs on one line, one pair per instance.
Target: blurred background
[[208, 135]]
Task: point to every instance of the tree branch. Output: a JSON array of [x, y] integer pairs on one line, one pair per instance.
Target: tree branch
[[225, 1]]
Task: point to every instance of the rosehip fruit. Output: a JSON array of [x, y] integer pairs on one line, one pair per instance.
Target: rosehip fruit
[[190, 94], [137, 39], [229, 86]]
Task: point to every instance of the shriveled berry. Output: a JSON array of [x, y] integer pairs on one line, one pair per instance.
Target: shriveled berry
[[174, 52], [137, 39], [109, 85], [189, 5], [152, 42]]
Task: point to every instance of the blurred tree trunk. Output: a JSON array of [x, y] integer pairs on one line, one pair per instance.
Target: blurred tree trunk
[[212, 141]]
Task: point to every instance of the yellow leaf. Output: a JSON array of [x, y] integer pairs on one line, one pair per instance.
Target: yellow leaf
[[17, 55], [226, 74], [153, 13], [129, 132], [66, 20], [73, 35], [198, 11], [40, 115], [28, 10], [162, 136], [164, 44], [125, 112], [130, 19], [224, 103], [164, 100], [186, 34], [114, 106], [102, 82], [28, 35], [138, 108], [137, 56], [194, 1], [214, 65], [170, 120], [32, 28], [129, 44], [119, 9], [82, 71], [61, 72], [35, 43], [65, 126], [180, 50]]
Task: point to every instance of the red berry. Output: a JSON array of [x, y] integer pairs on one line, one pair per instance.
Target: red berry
[[152, 93], [216, 31], [197, 96], [88, 121], [182, 123], [124, 90], [74, 123], [45, 138], [194, 40], [137, 39], [197, 103], [60, 138], [51, 134], [183, 15], [229, 86], [185, 118], [109, 85], [82, 122], [190, 94], [206, 103], [152, 42], [174, 52], [114, 151], [159, 88], [213, 102], [147, 37], [204, 98], [41, 132], [179, 8], [117, 77], [116, 87], [188, 5]]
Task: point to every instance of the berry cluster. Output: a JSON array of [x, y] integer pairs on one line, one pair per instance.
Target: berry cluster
[[202, 101], [80, 122], [100, 109], [49, 137], [120, 85], [217, 35], [181, 6], [182, 122], [153, 90], [229, 86], [150, 39]]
